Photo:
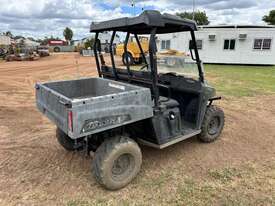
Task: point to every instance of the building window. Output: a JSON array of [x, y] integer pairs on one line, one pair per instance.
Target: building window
[[199, 44], [267, 44], [165, 44], [229, 44], [168, 44], [262, 44], [258, 43]]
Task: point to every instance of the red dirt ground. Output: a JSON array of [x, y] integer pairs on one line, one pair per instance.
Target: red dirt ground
[[35, 170]]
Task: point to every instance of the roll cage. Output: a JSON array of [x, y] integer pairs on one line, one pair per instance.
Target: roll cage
[[148, 23]]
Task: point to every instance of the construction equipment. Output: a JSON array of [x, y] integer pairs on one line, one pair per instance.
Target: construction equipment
[[133, 52], [43, 51], [25, 55], [112, 114], [3, 53]]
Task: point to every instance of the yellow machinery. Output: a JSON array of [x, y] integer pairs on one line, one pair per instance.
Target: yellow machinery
[[134, 53], [171, 52]]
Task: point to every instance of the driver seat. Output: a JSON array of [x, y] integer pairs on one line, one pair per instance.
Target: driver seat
[[168, 102]]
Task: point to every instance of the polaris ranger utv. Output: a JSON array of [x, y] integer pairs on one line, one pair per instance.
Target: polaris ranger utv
[[122, 108]]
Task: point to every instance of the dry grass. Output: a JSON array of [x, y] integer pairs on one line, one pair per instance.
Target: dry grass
[[250, 184]]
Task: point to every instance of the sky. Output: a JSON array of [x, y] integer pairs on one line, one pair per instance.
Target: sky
[[42, 18]]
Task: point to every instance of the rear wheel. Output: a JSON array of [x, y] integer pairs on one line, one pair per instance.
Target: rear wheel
[[130, 59], [212, 124], [56, 49], [64, 140], [117, 162]]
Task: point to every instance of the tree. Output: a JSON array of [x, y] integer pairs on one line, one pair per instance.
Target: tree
[[89, 43], [68, 34], [9, 34], [270, 18], [200, 17], [32, 39]]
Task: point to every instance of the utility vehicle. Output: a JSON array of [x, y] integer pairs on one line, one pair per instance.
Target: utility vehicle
[[114, 113]]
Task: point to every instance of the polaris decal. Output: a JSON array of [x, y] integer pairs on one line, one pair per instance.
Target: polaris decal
[[99, 123]]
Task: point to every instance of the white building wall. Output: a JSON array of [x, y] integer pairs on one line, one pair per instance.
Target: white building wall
[[106, 38], [5, 40], [213, 51]]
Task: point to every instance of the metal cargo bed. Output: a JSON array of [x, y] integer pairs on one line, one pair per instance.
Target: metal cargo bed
[[86, 106]]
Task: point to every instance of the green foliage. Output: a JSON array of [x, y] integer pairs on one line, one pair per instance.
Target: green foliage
[[89, 43], [200, 17], [18, 37], [8, 33], [270, 18], [68, 34]]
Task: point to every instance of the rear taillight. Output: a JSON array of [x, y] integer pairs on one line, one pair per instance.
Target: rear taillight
[[70, 121]]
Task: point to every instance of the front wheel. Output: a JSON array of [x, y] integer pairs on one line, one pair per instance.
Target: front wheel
[[117, 162], [212, 125], [130, 58]]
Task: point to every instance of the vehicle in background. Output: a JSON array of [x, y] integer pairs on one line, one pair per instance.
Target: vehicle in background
[[22, 57], [43, 51], [21, 54], [3, 53], [133, 51], [60, 46]]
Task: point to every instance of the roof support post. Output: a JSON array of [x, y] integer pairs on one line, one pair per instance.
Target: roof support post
[[199, 63], [126, 53], [141, 50], [100, 54], [96, 55], [153, 66], [112, 55]]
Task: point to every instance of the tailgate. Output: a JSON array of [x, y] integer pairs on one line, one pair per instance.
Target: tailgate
[[53, 105]]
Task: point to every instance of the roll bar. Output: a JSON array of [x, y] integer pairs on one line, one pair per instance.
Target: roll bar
[[112, 55], [153, 65], [140, 49], [152, 57], [96, 55], [126, 53], [197, 59]]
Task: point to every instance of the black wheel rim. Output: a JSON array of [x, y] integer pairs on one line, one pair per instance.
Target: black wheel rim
[[214, 125], [125, 59], [122, 166]]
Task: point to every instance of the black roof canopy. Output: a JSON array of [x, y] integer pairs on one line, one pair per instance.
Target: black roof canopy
[[143, 24]]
